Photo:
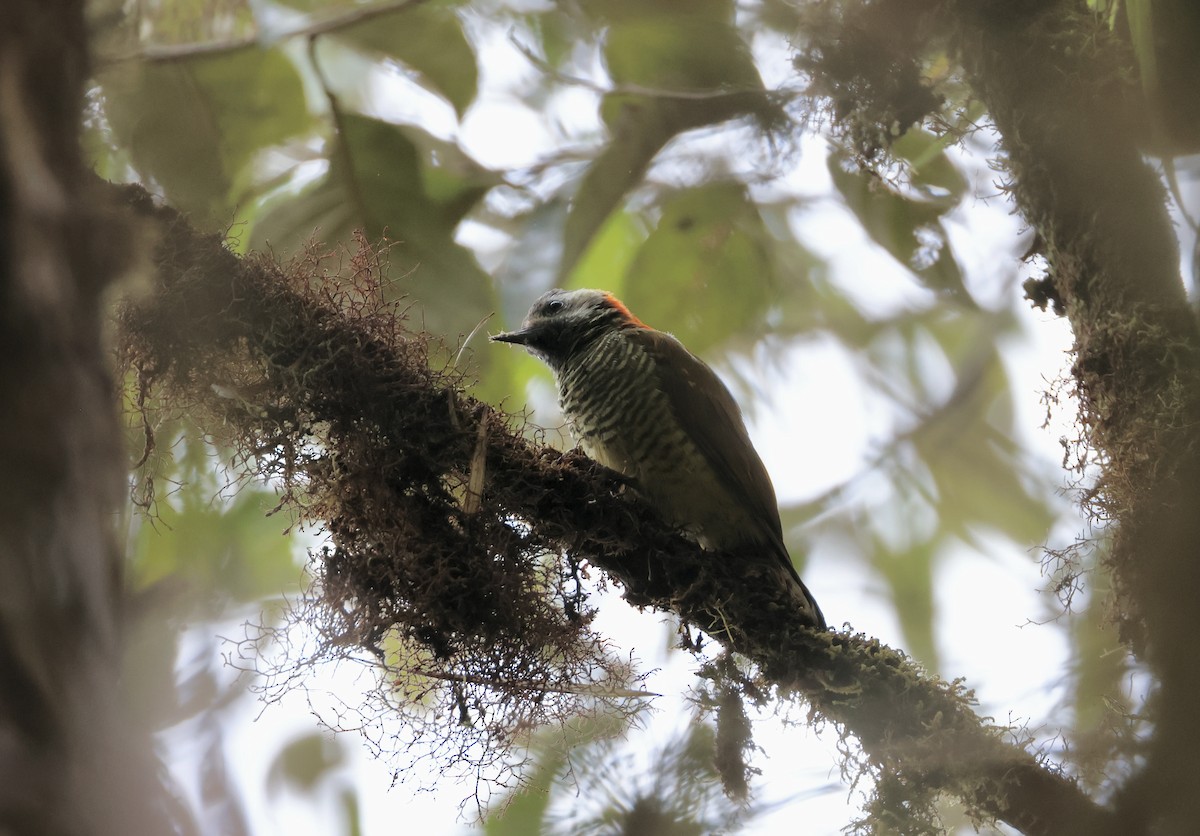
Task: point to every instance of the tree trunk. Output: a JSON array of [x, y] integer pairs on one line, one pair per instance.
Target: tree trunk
[[1052, 79], [67, 765]]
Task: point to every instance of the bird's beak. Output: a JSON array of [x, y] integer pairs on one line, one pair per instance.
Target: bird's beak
[[515, 337]]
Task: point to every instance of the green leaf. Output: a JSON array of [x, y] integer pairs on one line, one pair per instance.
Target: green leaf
[[710, 248], [415, 189], [1140, 14], [682, 53], [975, 465], [930, 170], [257, 99], [660, 54], [321, 211], [617, 170], [427, 38], [557, 35], [614, 11], [398, 183], [236, 552], [524, 811], [193, 125], [909, 576], [305, 763], [610, 253], [909, 229]]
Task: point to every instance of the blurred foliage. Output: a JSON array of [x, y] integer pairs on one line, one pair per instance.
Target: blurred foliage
[[305, 120], [1162, 35], [400, 183], [708, 239], [304, 762], [427, 39], [607, 785], [230, 549], [192, 126], [526, 810]]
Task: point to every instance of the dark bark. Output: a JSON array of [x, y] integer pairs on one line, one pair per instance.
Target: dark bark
[[1052, 80], [66, 764]]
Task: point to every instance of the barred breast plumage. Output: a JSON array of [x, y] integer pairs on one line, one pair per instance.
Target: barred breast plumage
[[622, 417]]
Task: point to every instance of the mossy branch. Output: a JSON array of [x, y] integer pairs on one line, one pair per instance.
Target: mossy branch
[[337, 402]]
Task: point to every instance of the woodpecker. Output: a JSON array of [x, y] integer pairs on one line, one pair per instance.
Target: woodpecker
[[640, 403]]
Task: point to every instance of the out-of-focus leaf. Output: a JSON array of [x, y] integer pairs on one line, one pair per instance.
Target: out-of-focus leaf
[[525, 810], [976, 468], [1097, 698], [636, 138], [678, 795], [427, 38], [350, 809], [556, 35], [907, 228], [1140, 14], [660, 54], [304, 763], [705, 272], [192, 21], [930, 169], [450, 178], [153, 111], [614, 11], [398, 182], [680, 53], [909, 576], [949, 370], [981, 489], [258, 100], [236, 552], [192, 125], [416, 189], [610, 254], [321, 211]]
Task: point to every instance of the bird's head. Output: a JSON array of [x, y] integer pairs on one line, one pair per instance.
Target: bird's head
[[563, 321]]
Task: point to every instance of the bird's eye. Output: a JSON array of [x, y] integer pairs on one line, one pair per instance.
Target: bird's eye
[[553, 306]]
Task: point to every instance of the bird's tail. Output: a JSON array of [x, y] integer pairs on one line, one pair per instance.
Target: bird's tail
[[811, 608]]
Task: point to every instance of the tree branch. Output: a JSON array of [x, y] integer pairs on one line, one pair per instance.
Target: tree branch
[[397, 435], [255, 40]]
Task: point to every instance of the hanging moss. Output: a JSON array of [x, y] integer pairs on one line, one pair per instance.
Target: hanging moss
[[456, 544]]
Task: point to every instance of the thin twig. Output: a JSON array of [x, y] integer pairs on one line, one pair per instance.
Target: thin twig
[[183, 52], [637, 89], [509, 685]]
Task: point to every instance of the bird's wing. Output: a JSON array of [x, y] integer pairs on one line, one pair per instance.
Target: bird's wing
[[703, 404]]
